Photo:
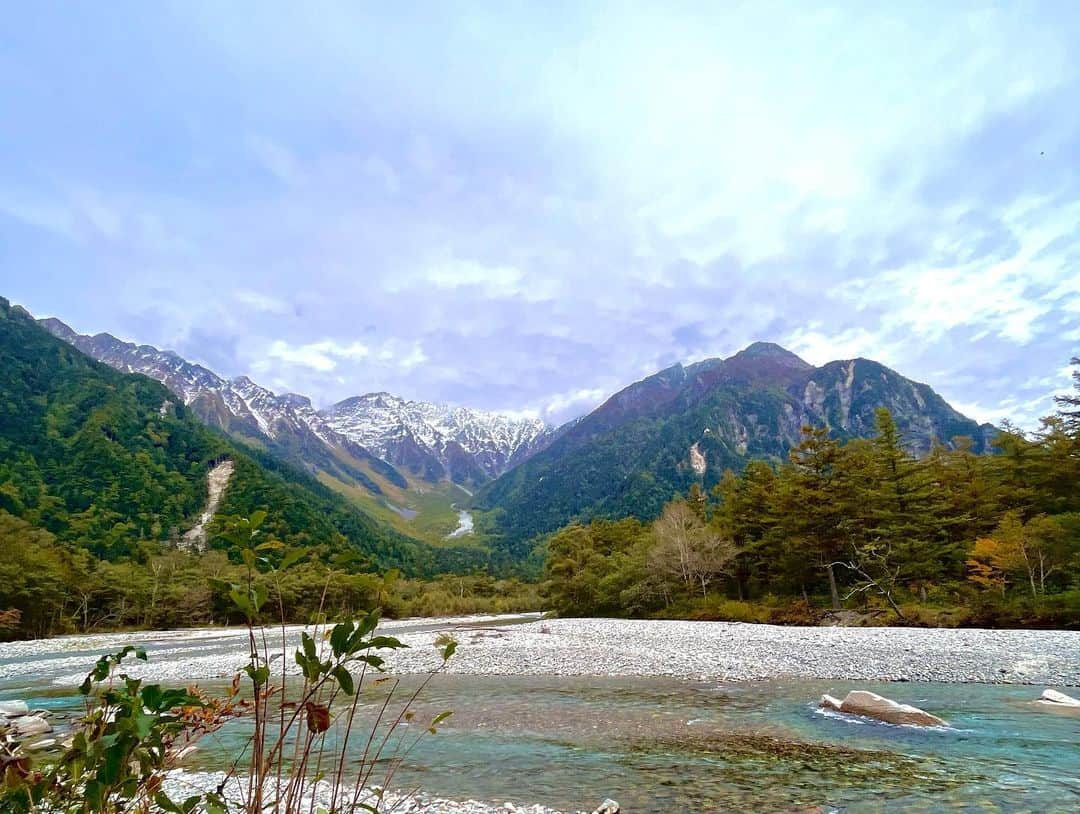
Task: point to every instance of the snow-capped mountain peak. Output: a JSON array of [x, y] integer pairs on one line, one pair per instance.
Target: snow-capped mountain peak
[[405, 432], [434, 441]]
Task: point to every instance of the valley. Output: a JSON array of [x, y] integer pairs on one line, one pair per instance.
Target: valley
[[404, 462]]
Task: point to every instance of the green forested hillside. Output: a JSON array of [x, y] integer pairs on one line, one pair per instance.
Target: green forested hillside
[[107, 466], [687, 425], [950, 538]]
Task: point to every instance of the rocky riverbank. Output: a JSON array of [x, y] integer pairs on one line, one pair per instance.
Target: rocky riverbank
[[720, 651], [182, 783], [738, 652]]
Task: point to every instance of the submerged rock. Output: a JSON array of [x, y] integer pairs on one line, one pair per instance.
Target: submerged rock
[[30, 725], [13, 709], [1059, 700], [871, 705]]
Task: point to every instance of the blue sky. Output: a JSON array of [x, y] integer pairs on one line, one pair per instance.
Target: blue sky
[[527, 206]]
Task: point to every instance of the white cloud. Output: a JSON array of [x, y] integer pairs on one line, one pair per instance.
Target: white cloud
[[321, 356], [276, 159], [258, 301], [573, 402]]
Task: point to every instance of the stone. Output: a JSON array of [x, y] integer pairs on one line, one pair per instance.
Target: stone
[[1054, 698], [872, 705], [13, 709], [828, 702], [44, 743], [609, 806], [30, 725]]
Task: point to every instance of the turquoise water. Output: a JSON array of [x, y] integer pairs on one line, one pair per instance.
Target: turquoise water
[[660, 745]]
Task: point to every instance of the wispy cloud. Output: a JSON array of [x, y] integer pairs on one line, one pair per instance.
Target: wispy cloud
[[529, 223]]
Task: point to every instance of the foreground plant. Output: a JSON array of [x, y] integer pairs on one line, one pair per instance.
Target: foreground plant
[[116, 761], [297, 759]]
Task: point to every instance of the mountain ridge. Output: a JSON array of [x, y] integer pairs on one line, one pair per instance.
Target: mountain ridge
[[433, 441], [110, 462], [688, 423]]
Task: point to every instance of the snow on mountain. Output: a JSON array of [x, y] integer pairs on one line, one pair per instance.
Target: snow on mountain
[[431, 440], [466, 444]]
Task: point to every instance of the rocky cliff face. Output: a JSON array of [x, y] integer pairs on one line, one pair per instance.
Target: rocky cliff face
[[467, 446], [690, 423]]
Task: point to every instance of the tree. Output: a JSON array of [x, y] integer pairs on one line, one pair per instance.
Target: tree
[[1069, 403], [745, 515], [1032, 550], [811, 503], [907, 510], [688, 550]]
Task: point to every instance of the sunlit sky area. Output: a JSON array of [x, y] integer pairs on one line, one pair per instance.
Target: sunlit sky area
[[525, 207]]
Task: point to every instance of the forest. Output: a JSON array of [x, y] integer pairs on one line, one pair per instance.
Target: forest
[[100, 471], [859, 530]]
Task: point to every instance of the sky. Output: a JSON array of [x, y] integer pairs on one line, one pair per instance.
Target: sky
[[524, 207]]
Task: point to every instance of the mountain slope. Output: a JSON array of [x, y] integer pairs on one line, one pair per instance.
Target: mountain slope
[[688, 424], [287, 425], [437, 441], [113, 462], [407, 462]]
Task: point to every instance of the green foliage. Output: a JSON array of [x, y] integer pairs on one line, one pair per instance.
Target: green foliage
[[131, 735], [632, 454], [101, 471], [979, 538]]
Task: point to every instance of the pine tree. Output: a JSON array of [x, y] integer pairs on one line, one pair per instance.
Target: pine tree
[[909, 513], [810, 505]]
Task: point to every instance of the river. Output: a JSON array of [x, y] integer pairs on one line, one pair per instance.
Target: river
[[661, 745]]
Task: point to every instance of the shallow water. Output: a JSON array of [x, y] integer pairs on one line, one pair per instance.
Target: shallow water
[[665, 745]]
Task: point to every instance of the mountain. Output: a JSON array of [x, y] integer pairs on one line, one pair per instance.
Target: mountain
[[113, 462], [433, 441], [688, 424], [436, 440], [408, 462]]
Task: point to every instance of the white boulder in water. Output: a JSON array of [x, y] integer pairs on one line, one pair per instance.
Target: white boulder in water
[[828, 702], [1059, 700], [609, 806], [13, 709], [872, 705]]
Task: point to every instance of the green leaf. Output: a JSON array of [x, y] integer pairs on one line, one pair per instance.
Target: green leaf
[[257, 518], [292, 556], [448, 649], [344, 680], [165, 804], [438, 719], [259, 596], [339, 637], [384, 642], [309, 645], [258, 675], [242, 602]]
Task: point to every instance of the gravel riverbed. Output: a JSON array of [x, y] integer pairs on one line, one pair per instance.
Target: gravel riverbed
[[529, 645], [740, 652], [532, 646]]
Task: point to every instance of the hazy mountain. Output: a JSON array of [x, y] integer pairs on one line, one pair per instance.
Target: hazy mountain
[[433, 441], [690, 423], [105, 460], [438, 440]]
